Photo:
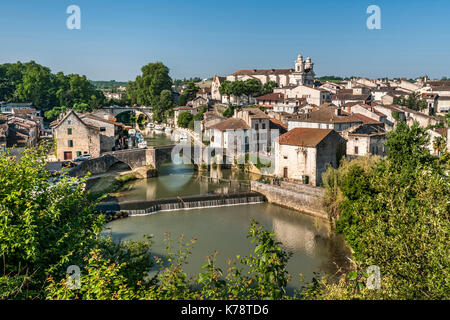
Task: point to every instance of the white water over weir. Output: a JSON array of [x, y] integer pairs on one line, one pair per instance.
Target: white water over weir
[[139, 208]]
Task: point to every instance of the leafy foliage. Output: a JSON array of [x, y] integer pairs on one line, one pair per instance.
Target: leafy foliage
[[394, 214], [31, 82]]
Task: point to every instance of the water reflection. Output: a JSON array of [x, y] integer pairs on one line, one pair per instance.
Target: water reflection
[[225, 229]]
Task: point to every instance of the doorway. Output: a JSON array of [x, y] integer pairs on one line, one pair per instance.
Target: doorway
[[68, 155]]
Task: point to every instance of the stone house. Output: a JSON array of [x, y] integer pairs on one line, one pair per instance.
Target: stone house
[[443, 105], [269, 100], [215, 85], [326, 116], [259, 123], [112, 134], [198, 101], [389, 111], [230, 134], [342, 98], [312, 95], [23, 132], [366, 139], [306, 153], [74, 137]]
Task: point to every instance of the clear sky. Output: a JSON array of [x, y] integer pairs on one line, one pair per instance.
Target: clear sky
[[207, 37]]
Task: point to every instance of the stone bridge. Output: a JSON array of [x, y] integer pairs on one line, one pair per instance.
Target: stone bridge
[[147, 111], [152, 157]]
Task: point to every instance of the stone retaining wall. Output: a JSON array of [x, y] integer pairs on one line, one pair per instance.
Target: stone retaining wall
[[304, 198]]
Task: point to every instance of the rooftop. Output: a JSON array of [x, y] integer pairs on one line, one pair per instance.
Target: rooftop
[[328, 114], [230, 124], [304, 137]]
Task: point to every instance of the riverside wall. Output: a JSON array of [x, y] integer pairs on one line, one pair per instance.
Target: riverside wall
[[304, 198]]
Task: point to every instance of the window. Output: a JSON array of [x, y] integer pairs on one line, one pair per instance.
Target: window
[[78, 153], [69, 122], [356, 150], [70, 143], [69, 131], [285, 157], [263, 125], [102, 129]]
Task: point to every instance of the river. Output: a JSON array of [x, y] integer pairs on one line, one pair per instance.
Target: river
[[225, 229]]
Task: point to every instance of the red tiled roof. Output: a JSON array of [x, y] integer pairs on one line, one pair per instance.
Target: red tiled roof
[[366, 120], [271, 97], [278, 123], [304, 137], [327, 114], [249, 72]]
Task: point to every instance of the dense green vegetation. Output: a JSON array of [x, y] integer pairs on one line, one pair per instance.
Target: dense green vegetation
[[394, 213], [111, 85], [152, 88], [188, 94], [184, 118], [31, 82], [45, 228]]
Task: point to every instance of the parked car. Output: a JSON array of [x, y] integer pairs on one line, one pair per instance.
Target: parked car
[[82, 158]]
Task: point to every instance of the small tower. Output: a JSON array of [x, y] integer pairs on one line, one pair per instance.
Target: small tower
[[309, 64], [299, 64]]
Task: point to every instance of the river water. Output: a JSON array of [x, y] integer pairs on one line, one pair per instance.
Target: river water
[[225, 229]]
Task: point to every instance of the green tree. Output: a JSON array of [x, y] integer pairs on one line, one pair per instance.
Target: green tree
[[165, 103], [268, 87], [393, 213], [252, 87], [184, 118], [147, 88], [191, 90]]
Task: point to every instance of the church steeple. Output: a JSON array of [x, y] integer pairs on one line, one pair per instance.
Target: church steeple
[[299, 64]]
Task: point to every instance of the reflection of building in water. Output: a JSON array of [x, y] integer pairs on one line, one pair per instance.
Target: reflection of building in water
[[294, 236], [150, 191], [216, 173]]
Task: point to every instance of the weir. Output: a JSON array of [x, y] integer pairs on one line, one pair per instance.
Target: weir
[[136, 208]]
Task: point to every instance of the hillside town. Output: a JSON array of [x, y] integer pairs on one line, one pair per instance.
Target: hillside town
[[316, 123]]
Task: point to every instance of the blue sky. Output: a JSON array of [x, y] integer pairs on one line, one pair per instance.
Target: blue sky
[[207, 37]]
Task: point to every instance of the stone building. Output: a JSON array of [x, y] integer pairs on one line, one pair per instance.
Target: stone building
[[112, 134], [229, 134], [74, 137], [366, 139], [301, 74], [312, 95], [326, 116], [23, 132], [305, 153], [258, 122]]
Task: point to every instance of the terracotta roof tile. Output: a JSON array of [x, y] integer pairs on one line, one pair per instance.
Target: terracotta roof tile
[[304, 137]]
